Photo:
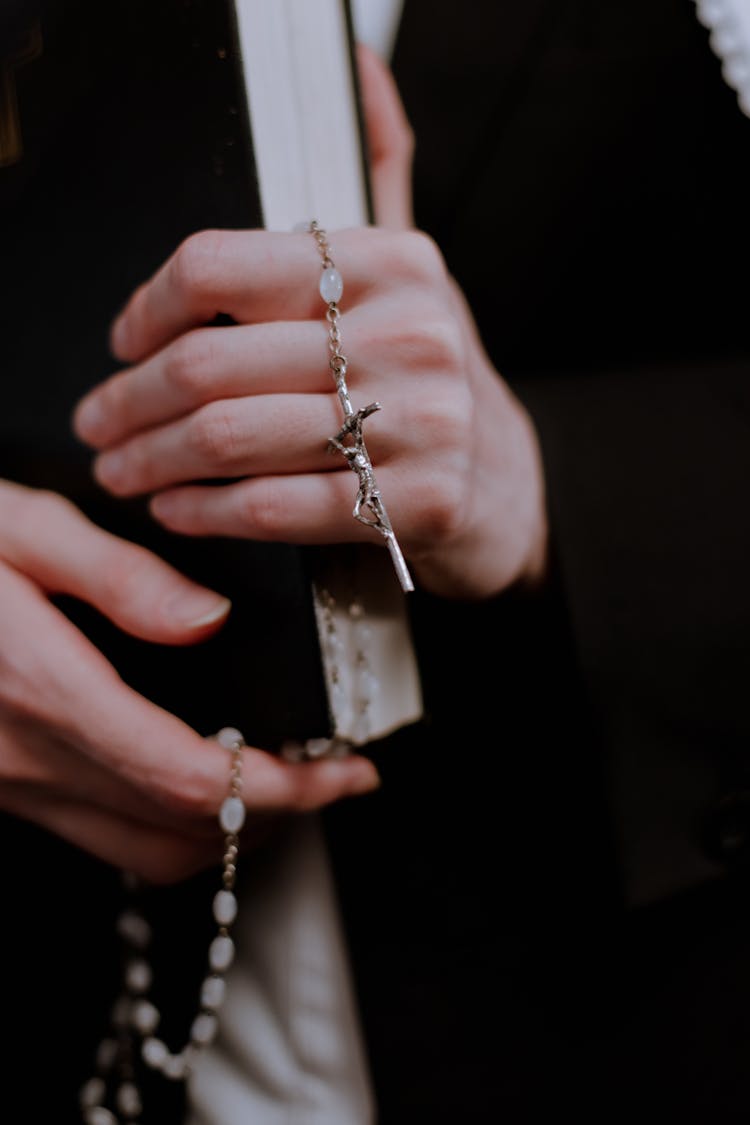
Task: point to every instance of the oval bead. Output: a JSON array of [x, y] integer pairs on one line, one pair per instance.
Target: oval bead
[[213, 991], [154, 1052], [134, 928], [232, 814], [100, 1116], [225, 908], [145, 1017], [138, 976], [331, 285], [221, 953], [230, 738], [204, 1028], [92, 1092], [175, 1067], [129, 1100]]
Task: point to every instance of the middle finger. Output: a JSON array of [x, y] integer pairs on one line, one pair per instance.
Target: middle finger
[[270, 434]]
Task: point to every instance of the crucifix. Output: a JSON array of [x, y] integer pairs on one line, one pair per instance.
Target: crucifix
[[11, 138]]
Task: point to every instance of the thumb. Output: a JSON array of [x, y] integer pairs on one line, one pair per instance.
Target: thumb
[[390, 139], [49, 540]]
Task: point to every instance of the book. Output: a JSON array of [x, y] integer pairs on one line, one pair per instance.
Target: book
[[133, 125]]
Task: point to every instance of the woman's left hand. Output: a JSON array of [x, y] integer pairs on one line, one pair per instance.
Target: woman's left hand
[[454, 452]]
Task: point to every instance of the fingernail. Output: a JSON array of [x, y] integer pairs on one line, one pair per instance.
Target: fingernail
[[197, 609], [118, 336], [162, 506], [366, 783], [88, 419], [110, 467]]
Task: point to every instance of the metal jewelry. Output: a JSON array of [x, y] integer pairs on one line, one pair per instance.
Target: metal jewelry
[[369, 508], [112, 1096]]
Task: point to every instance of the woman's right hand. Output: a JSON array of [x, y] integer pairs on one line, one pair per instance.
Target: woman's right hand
[[85, 756]]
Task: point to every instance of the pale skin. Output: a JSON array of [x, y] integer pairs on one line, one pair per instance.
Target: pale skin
[[457, 463]]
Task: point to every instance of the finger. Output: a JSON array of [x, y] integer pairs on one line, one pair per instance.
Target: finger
[[34, 761], [237, 437], [157, 855], [64, 684], [391, 142], [48, 539], [312, 509], [252, 276], [202, 366], [257, 276]]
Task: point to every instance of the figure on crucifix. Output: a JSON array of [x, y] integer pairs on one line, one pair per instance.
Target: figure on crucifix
[[357, 457]]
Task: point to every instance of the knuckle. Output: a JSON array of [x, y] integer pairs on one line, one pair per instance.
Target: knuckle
[[439, 507], [189, 362], [195, 262], [30, 512], [443, 419], [263, 511], [432, 343], [188, 793], [125, 574], [52, 505], [419, 257], [213, 435], [188, 796]]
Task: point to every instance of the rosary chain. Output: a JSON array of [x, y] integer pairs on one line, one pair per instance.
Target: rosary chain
[[369, 508], [134, 1017]]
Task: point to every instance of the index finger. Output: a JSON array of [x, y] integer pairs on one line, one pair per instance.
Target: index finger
[[251, 276]]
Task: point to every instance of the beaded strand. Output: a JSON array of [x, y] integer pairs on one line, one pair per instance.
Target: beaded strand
[[134, 1017]]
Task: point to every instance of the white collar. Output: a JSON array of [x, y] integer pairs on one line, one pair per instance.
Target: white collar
[[729, 24]]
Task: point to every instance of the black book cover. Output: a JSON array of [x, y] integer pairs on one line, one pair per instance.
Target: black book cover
[[130, 129]]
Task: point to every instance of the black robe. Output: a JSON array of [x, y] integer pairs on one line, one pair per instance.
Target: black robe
[[547, 901]]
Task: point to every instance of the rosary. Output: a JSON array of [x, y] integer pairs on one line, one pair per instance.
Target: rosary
[[134, 1018]]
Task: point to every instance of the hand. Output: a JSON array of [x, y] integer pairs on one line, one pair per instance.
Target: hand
[[455, 454], [83, 755]]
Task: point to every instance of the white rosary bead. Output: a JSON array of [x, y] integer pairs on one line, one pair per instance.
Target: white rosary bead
[[318, 747], [133, 1012], [154, 1052], [232, 815], [225, 908], [145, 1017], [204, 1029], [230, 738], [175, 1067], [129, 1100], [134, 928], [99, 1116], [213, 991], [92, 1092], [331, 285], [138, 976], [221, 953]]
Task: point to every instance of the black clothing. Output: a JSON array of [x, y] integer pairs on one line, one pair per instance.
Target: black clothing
[[547, 901]]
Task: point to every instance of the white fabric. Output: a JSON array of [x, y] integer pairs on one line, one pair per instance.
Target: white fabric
[[729, 23], [290, 1051]]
